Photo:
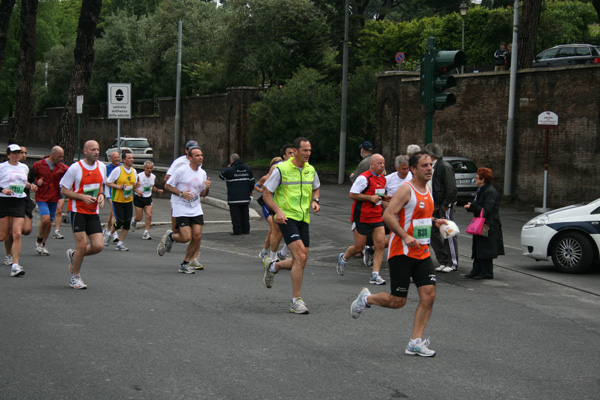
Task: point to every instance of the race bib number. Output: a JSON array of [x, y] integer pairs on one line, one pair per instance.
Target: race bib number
[[128, 191], [422, 230], [92, 189], [147, 189], [380, 192], [17, 189], [194, 201]]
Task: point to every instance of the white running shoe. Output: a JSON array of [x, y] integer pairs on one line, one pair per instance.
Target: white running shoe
[[420, 348], [360, 303], [341, 265], [185, 269], [163, 246], [368, 256], [115, 237], [45, 251], [70, 253], [298, 307], [133, 225], [106, 237], [8, 260], [39, 248], [377, 280], [57, 235], [17, 270], [262, 255], [146, 236], [77, 283], [195, 264], [121, 247], [269, 275]]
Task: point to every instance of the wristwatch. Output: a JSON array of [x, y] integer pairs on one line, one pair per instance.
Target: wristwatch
[[180, 194], [317, 200]]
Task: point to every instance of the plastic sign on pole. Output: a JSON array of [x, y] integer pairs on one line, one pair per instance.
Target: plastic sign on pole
[[80, 104], [119, 100], [547, 120], [399, 57]]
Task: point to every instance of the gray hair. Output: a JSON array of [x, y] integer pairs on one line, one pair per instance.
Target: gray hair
[[400, 160], [434, 150], [149, 163], [234, 157], [412, 149]]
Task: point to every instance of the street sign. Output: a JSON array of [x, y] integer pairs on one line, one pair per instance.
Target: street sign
[[547, 120], [80, 104], [399, 57], [119, 100]]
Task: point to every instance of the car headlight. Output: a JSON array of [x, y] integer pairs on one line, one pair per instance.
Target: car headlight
[[540, 220]]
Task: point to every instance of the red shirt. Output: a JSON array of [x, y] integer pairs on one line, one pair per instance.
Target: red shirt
[[366, 211], [50, 189]]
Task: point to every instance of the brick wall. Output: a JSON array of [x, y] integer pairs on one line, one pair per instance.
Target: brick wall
[[476, 128]]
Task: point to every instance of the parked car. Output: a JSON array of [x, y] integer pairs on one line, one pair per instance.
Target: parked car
[[465, 171], [140, 147], [565, 55], [570, 235]]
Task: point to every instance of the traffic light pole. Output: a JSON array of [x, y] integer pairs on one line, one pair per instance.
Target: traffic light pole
[[428, 75]]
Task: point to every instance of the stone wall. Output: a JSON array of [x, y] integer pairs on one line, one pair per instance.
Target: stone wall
[[219, 123], [476, 128]]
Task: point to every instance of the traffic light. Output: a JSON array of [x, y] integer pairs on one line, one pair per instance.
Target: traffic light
[[445, 62]]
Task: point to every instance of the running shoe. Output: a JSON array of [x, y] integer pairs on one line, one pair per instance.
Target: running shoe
[[115, 237], [377, 280], [45, 251], [162, 245], [368, 256], [262, 255], [77, 283], [298, 307], [70, 253], [419, 349], [195, 264], [146, 236], [269, 275], [106, 237], [360, 303], [121, 247], [8, 260], [341, 265], [17, 270], [133, 225], [57, 235], [39, 248], [279, 256], [184, 268]]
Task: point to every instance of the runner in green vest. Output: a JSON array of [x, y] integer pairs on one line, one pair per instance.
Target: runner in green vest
[[291, 191]]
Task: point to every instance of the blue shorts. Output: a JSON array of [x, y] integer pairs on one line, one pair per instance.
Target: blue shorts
[[47, 208], [265, 211]]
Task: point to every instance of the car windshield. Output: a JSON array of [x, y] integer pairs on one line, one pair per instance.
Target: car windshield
[[135, 143], [463, 166]]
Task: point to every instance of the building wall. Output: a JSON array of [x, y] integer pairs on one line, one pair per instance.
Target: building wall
[[219, 123], [476, 127]]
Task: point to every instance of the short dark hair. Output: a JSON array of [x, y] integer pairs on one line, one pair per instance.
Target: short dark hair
[[414, 159], [284, 149], [298, 141], [124, 153]]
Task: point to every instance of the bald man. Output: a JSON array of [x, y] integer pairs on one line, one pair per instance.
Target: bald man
[[48, 172], [368, 192]]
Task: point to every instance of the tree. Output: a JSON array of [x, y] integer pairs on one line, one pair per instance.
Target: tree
[[82, 74], [596, 4], [530, 22], [6, 9], [26, 71]]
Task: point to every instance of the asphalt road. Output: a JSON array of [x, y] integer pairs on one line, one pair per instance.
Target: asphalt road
[[144, 331]]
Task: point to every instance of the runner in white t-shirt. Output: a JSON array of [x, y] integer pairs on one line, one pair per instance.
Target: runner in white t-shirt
[[397, 178], [187, 185], [142, 201]]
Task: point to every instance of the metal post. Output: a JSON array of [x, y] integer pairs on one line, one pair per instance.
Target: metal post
[[342, 163], [177, 137], [429, 106], [510, 125], [78, 137], [462, 46], [119, 136]]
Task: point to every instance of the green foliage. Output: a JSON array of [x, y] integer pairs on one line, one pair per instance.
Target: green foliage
[[206, 77], [566, 22], [305, 106]]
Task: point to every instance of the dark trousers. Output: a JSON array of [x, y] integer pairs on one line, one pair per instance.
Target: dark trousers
[[483, 267], [240, 218]]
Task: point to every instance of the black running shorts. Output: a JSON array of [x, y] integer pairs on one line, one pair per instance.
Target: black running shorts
[[402, 268]]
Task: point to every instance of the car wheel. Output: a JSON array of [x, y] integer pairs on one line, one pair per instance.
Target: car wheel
[[573, 253]]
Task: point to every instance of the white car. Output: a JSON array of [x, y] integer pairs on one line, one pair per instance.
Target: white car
[[139, 146], [570, 235]]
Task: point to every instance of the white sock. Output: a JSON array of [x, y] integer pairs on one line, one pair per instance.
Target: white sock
[[119, 243], [374, 274], [272, 267], [272, 255], [285, 251]]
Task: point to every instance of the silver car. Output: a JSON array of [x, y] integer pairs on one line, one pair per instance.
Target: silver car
[[566, 55], [465, 171], [140, 147]]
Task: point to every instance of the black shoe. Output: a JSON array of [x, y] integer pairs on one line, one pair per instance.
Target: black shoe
[[483, 277], [469, 276], [233, 233]]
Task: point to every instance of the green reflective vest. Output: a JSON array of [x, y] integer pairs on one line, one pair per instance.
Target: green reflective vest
[[294, 194]]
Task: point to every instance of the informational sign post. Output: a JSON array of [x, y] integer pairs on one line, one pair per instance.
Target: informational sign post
[[79, 112], [119, 105], [546, 121]]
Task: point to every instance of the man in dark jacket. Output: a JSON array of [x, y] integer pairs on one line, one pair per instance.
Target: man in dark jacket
[[443, 185], [240, 182]]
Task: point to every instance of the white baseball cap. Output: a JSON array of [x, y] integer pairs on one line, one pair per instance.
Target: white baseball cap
[[13, 147]]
